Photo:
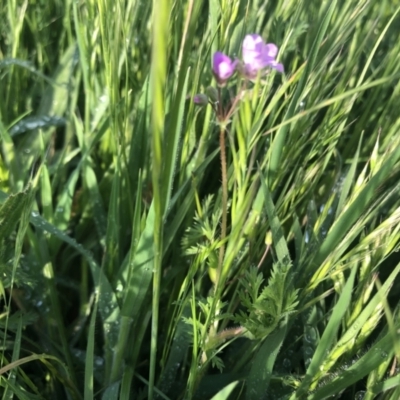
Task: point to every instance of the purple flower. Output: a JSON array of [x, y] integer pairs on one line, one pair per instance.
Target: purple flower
[[258, 55], [223, 67]]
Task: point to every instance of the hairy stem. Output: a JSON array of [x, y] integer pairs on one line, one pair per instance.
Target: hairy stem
[[224, 202]]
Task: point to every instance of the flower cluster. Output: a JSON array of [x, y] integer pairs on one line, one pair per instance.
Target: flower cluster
[[257, 56]]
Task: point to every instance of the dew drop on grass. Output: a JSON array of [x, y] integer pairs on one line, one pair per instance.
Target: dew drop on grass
[[384, 354], [34, 214], [39, 303], [359, 395], [308, 351], [99, 361], [310, 335]]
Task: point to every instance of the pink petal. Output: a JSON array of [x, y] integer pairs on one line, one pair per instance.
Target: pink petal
[[252, 48], [270, 50], [223, 67]]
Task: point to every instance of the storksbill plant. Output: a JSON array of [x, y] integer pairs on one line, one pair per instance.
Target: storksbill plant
[[258, 58]]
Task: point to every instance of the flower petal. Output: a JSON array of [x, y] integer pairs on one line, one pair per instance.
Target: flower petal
[[258, 55], [275, 65], [270, 50], [252, 48], [223, 67], [252, 42]]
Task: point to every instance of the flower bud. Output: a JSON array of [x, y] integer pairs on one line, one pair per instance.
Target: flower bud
[[212, 93], [200, 99]]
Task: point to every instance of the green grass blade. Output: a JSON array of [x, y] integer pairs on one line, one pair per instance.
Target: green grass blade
[[89, 361], [329, 335], [225, 392], [98, 211], [111, 261], [356, 208], [172, 139], [108, 305], [279, 141], [15, 356], [391, 383], [261, 371], [348, 181], [11, 211], [54, 103], [158, 75], [141, 271], [278, 237], [367, 363]]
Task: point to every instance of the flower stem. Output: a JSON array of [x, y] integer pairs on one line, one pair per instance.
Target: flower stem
[[224, 202]]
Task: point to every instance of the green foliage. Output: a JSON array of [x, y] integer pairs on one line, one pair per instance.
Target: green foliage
[[116, 281], [265, 309]]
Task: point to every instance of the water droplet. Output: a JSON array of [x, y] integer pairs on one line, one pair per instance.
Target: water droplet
[[308, 351], [310, 334], [34, 214], [359, 395], [99, 361]]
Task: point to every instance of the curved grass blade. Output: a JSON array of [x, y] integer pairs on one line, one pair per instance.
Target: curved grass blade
[[54, 103], [108, 305], [11, 212], [279, 141], [356, 208], [88, 384], [367, 363], [278, 237], [328, 337], [260, 374], [388, 384], [178, 351], [225, 392]]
